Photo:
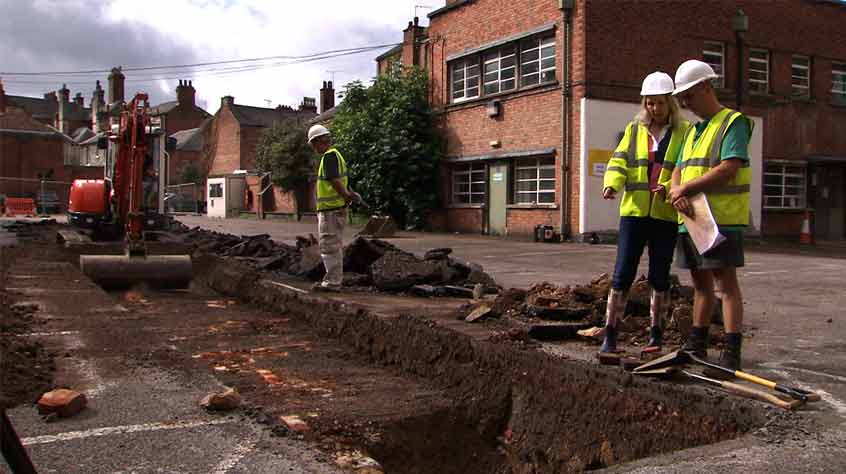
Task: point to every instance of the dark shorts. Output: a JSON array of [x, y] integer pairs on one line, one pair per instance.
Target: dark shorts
[[727, 254]]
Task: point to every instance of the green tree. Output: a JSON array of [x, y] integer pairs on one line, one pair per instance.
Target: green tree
[[387, 135], [190, 174], [284, 151]]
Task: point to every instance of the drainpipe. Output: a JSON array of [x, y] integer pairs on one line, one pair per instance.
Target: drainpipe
[[566, 14]]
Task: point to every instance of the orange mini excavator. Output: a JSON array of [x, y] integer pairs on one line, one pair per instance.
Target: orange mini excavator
[[117, 207]]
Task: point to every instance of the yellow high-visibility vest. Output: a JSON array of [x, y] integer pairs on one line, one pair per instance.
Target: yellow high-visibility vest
[[327, 197], [730, 202], [628, 171]]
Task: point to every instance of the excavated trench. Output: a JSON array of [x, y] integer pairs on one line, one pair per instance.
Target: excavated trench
[[511, 407]]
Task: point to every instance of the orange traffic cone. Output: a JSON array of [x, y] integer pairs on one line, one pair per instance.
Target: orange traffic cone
[[805, 236]]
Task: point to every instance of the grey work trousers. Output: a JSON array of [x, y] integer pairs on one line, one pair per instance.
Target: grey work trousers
[[330, 229]]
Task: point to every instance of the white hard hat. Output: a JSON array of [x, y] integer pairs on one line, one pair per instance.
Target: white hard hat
[[657, 83], [692, 72], [317, 131]]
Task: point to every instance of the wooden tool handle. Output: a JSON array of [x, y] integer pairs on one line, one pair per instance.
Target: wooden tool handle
[[760, 395]]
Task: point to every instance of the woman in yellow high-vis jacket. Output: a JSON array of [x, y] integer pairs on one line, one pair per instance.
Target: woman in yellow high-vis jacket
[[646, 219]]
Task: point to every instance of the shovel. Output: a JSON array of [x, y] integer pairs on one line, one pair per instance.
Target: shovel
[[680, 357], [730, 387]]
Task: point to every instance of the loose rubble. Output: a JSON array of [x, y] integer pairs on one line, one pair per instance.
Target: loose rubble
[[584, 307], [368, 263]]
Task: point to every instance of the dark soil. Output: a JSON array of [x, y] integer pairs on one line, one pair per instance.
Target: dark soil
[[407, 390], [26, 367]]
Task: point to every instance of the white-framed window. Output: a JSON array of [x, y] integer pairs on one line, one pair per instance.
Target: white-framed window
[[759, 71], [713, 53], [500, 70], [800, 76], [468, 184], [216, 190], [534, 181], [537, 60], [521, 63], [465, 79], [838, 83], [784, 186]]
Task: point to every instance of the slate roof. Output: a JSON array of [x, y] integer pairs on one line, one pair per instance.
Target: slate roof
[[189, 140], [45, 109], [325, 116], [259, 116], [164, 107]]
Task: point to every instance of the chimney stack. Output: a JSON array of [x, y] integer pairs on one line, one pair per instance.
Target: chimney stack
[[78, 100], [327, 96], [185, 94], [62, 122], [98, 110], [2, 99], [227, 100], [308, 105], [116, 80]]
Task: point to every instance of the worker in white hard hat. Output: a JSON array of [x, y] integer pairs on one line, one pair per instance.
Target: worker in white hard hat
[[333, 197], [646, 219], [714, 160]]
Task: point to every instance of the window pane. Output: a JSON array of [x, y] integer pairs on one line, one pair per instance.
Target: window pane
[[548, 76], [530, 80], [477, 188], [529, 56], [548, 63], [547, 173], [530, 68], [546, 198], [508, 73], [547, 185], [530, 173], [527, 186]]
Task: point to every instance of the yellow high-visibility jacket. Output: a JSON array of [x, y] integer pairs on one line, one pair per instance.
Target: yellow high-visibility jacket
[[628, 171], [730, 203]]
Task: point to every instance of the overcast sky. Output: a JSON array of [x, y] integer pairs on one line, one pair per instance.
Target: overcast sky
[[78, 35]]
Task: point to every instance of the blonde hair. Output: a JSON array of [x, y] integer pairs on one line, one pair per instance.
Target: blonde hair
[[673, 119]]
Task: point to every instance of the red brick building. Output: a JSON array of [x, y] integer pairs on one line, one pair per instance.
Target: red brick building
[[533, 95], [31, 151], [230, 145], [179, 115]]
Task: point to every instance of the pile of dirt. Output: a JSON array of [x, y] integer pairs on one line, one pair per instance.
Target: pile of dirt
[[368, 263], [26, 368], [586, 304]]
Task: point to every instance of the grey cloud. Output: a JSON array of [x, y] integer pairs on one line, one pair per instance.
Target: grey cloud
[[68, 37]]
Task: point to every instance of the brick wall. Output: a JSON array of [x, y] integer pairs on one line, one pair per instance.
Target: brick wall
[[793, 129], [624, 48], [466, 220], [250, 137], [529, 119], [226, 148]]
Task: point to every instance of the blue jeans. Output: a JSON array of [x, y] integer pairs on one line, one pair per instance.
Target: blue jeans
[[635, 234]]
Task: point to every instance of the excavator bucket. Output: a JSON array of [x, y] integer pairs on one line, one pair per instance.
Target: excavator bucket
[[123, 271]]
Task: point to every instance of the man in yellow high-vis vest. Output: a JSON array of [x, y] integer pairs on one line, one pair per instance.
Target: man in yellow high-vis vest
[[333, 197], [714, 159]]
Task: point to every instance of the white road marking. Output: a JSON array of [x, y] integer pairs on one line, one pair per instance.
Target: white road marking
[[770, 272], [113, 430], [50, 334], [838, 405], [241, 451]]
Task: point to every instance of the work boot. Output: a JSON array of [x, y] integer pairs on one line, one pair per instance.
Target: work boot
[[729, 357], [324, 287], [655, 337], [659, 306], [697, 342], [614, 311], [609, 344]]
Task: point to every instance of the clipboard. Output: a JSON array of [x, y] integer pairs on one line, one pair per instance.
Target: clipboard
[[701, 225]]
